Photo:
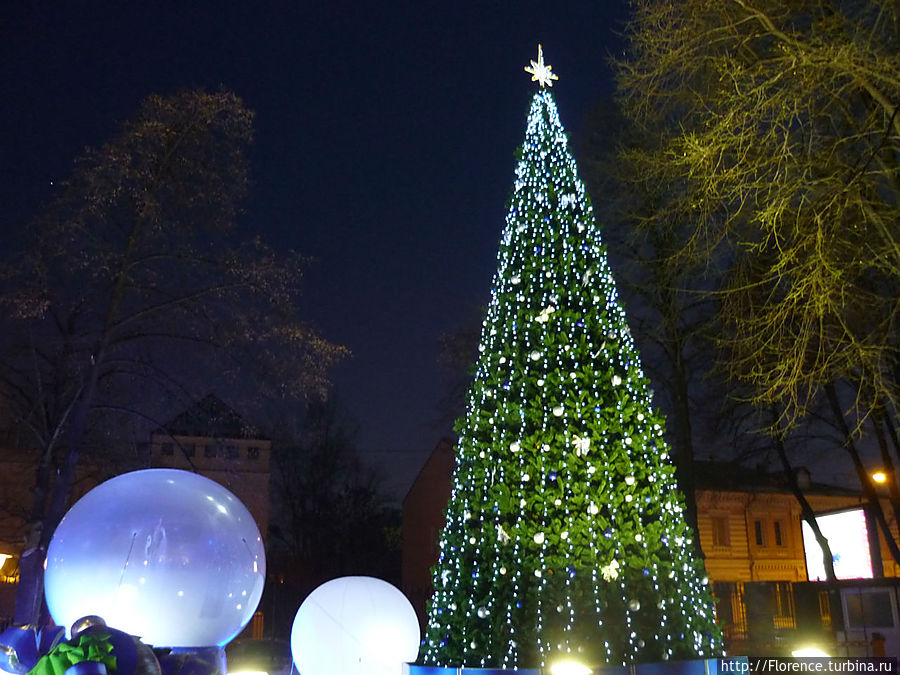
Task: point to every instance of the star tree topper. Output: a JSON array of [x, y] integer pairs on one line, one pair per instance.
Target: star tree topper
[[540, 72]]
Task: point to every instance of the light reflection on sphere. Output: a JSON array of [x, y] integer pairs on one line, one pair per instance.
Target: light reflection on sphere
[[355, 626], [167, 555]]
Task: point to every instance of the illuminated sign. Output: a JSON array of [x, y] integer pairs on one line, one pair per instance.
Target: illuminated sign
[[848, 538]]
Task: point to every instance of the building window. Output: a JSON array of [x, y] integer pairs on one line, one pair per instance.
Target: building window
[[779, 533], [190, 449], [731, 610], [869, 608], [253, 452], [167, 449], [209, 450], [231, 452], [825, 609], [721, 536], [785, 616], [759, 532]]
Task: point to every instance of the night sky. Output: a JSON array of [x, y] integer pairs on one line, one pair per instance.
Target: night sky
[[385, 140]]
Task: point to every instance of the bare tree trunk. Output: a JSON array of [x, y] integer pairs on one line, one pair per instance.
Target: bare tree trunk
[[684, 443], [30, 608], [888, 464], [864, 478], [808, 514], [30, 588], [891, 431]]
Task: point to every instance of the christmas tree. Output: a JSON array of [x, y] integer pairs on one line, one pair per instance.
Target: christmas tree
[[565, 533]]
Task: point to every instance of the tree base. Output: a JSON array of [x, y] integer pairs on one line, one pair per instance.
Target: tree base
[[692, 667]]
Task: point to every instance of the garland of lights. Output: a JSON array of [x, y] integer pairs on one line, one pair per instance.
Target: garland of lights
[[565, 532]]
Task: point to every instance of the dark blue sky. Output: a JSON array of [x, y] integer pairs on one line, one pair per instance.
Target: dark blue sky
[[386, 134]]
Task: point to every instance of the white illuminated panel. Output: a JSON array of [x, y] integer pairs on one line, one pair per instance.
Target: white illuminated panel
[[848, 538]]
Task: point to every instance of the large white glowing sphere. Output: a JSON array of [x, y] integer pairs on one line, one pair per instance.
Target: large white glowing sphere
[[355, 626], [167, 555]]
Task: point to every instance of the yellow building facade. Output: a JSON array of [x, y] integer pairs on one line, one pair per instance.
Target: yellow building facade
[[757, 535]]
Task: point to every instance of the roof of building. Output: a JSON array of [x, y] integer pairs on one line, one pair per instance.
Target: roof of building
[[443, 447], [712, 475], [211, 417]]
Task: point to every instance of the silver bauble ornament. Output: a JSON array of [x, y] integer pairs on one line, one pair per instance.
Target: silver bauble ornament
[[86, 622]]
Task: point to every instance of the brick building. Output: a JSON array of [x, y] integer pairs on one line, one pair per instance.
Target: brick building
[[214, 441]]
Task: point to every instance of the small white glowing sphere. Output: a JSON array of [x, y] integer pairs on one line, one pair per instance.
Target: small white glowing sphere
[[167, 555], [355, 626]]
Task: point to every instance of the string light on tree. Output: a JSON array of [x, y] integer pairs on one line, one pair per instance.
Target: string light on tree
[[565, 530]]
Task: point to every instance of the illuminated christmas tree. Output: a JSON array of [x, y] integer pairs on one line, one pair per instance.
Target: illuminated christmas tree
[[565, 534]]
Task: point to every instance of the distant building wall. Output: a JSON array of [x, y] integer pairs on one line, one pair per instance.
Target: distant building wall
[[423, 520], [757, 536], [16, 480], [240, 464], [18, 472]]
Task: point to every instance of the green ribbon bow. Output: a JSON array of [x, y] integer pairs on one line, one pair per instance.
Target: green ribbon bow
[[66, 654]]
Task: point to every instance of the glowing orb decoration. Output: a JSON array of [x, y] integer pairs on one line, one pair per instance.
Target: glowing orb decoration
[[569, 668], [355, 626], [167, 555]]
